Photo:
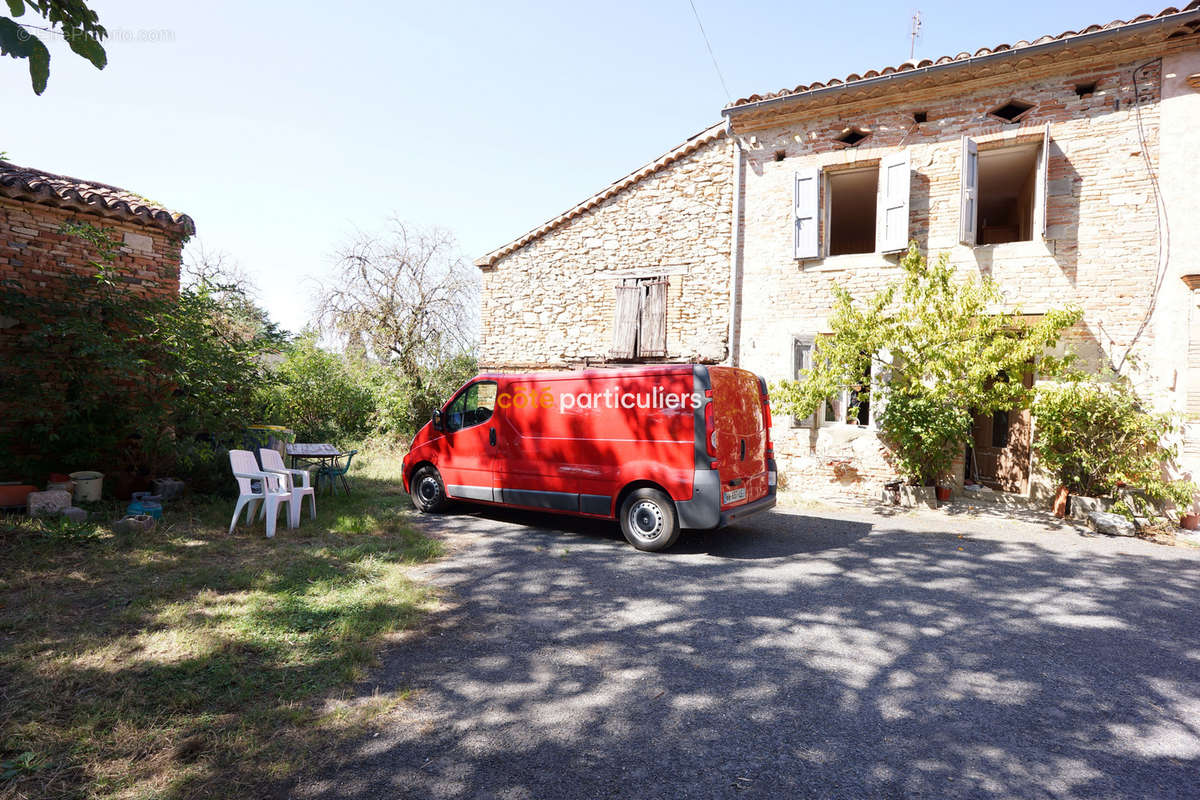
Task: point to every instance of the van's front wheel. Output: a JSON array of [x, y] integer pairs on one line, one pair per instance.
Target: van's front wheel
[[428, 491], [648, 520]]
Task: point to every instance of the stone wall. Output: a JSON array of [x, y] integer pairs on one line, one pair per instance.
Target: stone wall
[[37, 257], [550, 303], [1100, 252], [1180, 179]]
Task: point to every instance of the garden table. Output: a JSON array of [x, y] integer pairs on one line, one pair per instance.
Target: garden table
[[324, 454], [325, 457]]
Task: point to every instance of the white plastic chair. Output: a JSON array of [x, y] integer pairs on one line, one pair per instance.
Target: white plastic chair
[[271, 491], [273, 462]]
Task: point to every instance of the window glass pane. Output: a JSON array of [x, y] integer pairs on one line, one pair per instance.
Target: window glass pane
[[454, 413], [483, 402], [801, 363]]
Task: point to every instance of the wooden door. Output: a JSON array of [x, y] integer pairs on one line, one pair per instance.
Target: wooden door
[[1002, 448]]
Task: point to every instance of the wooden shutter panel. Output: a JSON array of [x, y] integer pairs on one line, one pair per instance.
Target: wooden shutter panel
[[1040, 193], [969, 192], [652, 336], [807, 201], [891, 233], [625, 321]]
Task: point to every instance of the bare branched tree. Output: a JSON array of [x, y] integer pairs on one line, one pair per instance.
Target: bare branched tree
[[219, 275], [405, 296]]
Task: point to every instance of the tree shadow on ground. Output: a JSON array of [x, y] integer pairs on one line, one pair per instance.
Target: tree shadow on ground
[[793, 656]]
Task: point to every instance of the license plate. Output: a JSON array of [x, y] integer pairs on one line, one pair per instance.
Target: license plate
[[733, 495]]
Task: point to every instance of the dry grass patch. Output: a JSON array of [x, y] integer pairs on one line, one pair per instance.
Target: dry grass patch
[[189, 663]]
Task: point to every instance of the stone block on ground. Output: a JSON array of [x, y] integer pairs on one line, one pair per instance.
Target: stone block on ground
[[1082, 506], [1110, 524], [75, 514], [48, 504]]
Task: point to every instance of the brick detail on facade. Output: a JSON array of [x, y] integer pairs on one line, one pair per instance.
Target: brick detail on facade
[[1100, 251]]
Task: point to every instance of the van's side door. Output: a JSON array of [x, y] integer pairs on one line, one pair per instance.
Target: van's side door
[[468, 450]]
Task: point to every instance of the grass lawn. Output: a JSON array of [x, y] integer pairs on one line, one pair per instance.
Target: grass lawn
[[189, 663]]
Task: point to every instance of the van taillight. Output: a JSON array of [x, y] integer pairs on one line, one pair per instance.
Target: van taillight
[[710, 429], [766, 410]]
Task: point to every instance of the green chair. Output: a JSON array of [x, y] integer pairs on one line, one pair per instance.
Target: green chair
[[334, 471]]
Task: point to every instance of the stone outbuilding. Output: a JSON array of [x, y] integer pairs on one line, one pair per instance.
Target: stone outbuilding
[[1063, 168], [40, 257]]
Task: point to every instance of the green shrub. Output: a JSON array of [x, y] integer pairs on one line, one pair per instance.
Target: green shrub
[[938, 352], [405, 402], [320, 395], [120, 383], [1095, 435]]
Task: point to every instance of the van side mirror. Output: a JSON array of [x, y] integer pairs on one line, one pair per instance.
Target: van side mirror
[[436, 419]]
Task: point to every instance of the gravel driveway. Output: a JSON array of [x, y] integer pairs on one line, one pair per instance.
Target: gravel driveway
[[802, 654]]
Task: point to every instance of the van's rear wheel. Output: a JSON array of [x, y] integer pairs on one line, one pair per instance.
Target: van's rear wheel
[[428, 491], [648, 520]]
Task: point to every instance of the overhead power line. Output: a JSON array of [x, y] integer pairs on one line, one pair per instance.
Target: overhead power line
[[711, 54]]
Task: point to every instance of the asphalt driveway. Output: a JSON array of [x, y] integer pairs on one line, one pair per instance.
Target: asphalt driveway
[[807, 654]]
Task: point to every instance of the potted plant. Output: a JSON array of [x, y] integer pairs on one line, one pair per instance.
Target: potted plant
[[1095, 435]]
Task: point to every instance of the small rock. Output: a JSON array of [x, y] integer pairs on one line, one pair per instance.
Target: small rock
[[75, 514], [48, 504], [1110, 524], [140, 523]]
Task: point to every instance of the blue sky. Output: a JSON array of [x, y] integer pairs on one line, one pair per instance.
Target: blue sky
[[283, 128]]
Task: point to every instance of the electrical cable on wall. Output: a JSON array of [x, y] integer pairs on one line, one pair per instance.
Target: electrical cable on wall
[[711, 54], [1161, 220]]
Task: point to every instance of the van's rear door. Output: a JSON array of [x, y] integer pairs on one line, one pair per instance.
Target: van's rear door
[[740, 435]]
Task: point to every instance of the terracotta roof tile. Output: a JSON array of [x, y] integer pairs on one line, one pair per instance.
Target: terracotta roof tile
[[25, 183], [963, 56]]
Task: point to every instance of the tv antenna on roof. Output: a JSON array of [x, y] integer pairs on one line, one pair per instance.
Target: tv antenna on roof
[[914, 34]]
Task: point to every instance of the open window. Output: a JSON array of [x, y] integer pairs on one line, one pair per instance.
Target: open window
[[864, 209], [859, 404], [640, 321], [850, 210], [1003, 195], [802, 361]]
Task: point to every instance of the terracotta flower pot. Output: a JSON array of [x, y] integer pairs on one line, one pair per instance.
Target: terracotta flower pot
[[1190, 522], [1060, 501], [943, 494]]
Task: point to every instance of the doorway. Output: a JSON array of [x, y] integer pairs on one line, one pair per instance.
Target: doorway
[[1000, 453]]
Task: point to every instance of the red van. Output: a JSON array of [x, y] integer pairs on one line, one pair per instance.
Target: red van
[[659, 448]]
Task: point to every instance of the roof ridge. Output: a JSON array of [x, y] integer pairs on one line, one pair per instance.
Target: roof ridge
[[688, 146], [914, 64], [21, 182]]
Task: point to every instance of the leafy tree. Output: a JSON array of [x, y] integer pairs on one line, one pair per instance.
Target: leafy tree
[[1095, 435], [318, 393], [941, 353], [405, 300], [403, 405], [72, 19]]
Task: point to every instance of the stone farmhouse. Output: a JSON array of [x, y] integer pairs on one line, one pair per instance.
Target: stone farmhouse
[[1064, 168]]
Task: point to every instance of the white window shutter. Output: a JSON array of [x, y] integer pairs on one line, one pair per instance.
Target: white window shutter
[[891, 230], [969, 200], [1043, 181], [807, 200]]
